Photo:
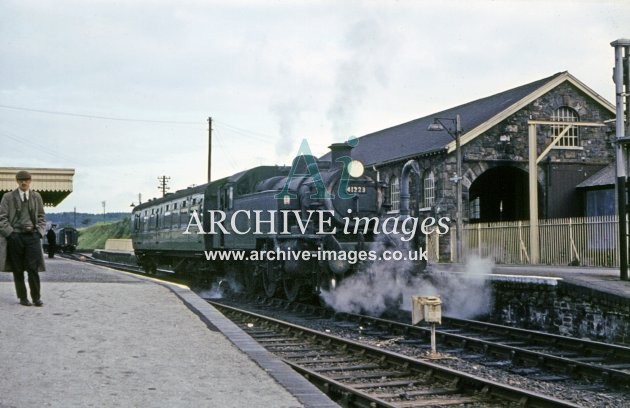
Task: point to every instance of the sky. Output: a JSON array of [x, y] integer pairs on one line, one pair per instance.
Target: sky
[[121, 91]]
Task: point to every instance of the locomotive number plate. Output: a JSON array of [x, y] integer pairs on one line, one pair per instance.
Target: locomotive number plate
[[356, 190]]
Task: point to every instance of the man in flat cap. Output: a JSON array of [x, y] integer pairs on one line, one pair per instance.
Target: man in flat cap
[[22, 225]]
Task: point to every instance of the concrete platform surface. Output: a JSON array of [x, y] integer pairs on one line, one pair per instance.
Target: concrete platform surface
[[109, 339], [603, 280]]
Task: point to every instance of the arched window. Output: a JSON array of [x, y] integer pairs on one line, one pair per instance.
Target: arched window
[[571, 136], [394, 193], [429, 189]]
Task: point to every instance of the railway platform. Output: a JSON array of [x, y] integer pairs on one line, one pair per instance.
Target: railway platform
[[109, 339], [604, 281]]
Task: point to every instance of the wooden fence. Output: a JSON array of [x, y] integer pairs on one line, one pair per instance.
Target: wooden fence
[[565, 241]]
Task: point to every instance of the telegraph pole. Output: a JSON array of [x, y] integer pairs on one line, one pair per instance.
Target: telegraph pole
[[209, 149], [163, 186]]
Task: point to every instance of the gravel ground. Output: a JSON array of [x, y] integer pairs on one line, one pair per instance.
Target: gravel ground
[[581, 393]]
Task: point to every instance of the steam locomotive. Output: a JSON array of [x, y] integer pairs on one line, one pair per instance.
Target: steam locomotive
[[266, 228]]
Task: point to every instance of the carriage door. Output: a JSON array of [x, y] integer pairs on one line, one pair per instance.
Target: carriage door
[[226, 204]]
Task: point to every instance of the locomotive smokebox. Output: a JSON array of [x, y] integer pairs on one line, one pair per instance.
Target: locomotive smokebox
[[339, 151]]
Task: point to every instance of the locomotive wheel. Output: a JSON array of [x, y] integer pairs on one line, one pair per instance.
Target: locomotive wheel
[[296, 289], [300, 286], [292, 288], [270, 272], [250, 281], [150, 266], [271, 276]]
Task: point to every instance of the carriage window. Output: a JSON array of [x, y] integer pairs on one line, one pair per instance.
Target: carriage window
[[175, 219], [226, 201], [571, 136]]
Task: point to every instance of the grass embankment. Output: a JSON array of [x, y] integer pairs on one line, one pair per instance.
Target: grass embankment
[[94, 237]]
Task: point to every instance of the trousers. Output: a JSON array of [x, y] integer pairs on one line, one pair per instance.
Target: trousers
[[23, 253]]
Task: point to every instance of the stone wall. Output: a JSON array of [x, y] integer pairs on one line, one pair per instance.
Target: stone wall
[[487, 151], [563, 309]]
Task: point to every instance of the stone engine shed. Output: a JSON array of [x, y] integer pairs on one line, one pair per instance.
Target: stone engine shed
[[495, 153]]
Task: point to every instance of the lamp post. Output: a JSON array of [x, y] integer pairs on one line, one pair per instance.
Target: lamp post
[[622, 88], [438, 125]]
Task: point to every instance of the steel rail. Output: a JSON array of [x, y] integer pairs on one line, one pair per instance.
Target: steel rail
[[613, 351], [466, 381], [570, 366], [573, 367]]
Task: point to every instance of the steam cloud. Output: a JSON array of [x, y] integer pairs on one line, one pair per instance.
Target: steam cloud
[[367, 54], [389, 284], [288, 114]]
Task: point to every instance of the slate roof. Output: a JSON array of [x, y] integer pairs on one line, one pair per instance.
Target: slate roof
[[603, 178], [413, 139]]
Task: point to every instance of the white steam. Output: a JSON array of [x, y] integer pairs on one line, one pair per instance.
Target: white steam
[[376, 289], [387, 285], [367, 55], [215, 292], [288, 114], [220, 288], [464, 294]]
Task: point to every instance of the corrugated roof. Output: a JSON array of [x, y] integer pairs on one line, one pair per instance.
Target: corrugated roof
[[413, 139]]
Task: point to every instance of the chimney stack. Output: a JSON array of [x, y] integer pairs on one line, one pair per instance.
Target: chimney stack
[[338, 150]]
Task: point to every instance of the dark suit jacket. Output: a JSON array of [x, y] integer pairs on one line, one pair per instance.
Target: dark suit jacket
[[9, 207]]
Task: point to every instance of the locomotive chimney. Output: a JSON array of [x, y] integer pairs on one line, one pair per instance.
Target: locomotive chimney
[[337, 151]]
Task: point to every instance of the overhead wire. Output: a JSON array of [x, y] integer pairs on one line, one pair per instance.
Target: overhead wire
[[228, 127], [34, 146], [227, 154], [245, 132], [81, 115], [218, 136]]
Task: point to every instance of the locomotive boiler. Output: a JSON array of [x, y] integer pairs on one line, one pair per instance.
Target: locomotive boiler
[[292, 230]]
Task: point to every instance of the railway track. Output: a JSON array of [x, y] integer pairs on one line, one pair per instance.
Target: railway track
[[541, 356], [357, 374], [599, 366], [163, 274], [538, 354]]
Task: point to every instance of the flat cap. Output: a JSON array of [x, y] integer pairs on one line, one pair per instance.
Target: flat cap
[[23, 175]]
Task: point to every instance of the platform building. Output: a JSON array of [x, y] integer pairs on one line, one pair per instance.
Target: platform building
[[54, 185]]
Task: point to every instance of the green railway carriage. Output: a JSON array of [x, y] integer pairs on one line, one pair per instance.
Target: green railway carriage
[[158, 226], [261, 213]]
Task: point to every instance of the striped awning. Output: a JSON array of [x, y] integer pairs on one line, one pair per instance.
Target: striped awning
[[53, 184]]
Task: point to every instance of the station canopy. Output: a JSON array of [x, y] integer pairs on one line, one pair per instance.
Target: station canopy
[[53, 184]]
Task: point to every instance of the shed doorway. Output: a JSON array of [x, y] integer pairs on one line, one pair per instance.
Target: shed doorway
[[499, 194]]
